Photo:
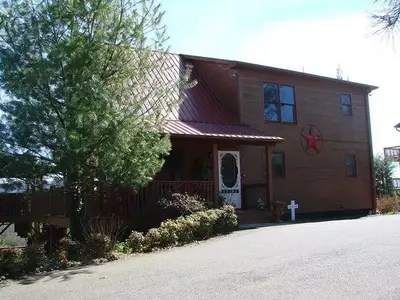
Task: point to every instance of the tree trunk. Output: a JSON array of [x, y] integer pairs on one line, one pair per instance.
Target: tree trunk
[[75, 194]]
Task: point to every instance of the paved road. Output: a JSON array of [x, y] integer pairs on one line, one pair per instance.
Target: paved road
[[352, 259]]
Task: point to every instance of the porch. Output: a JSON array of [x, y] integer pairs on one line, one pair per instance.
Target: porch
[[232, 167], [239, 170]]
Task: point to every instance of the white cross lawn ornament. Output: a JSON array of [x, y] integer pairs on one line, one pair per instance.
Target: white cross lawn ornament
[[292, 208]]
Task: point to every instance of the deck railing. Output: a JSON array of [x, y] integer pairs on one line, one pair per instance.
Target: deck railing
[[34, 206], [396, 183], [393, 152], [146, 198], [102, 200]]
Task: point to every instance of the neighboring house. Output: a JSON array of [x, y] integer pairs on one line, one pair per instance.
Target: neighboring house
[[259, 132], [394, 152]]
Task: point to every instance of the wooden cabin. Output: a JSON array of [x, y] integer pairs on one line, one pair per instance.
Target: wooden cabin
[[253, 135]]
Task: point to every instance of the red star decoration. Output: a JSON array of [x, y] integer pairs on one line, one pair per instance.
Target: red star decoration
[[312, 140]]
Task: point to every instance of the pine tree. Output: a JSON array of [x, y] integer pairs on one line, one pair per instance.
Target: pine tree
[[383, 171], [80, 99]]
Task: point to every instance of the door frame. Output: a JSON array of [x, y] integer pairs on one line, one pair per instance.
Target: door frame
[[238, 185]]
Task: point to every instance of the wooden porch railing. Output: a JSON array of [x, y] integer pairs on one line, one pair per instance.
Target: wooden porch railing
[[147, 197], [102, 201], [34, 206]]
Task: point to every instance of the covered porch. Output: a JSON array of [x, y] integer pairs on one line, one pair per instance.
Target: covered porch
[[222, 157]]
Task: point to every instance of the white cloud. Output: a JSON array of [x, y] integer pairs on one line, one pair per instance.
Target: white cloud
[[319, 45]]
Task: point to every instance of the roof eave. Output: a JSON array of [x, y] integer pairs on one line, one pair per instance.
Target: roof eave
[[367, 87], [239, 64], [232, 138]]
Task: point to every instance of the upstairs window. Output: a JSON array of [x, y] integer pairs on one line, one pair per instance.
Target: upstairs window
[[278, 164], [346, 105], [279, 103], [351, 168]]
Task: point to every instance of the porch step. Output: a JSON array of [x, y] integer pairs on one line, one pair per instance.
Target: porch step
[[254, 216]]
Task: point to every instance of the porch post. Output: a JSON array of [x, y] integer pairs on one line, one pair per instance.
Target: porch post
[[269, 176], [215, 172]]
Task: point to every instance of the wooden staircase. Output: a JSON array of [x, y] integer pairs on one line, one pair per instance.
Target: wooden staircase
[[254, 216]]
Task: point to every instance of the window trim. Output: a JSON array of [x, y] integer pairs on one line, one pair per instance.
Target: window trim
[[284, 165], [355, 165], [349, 105], [279, 106]]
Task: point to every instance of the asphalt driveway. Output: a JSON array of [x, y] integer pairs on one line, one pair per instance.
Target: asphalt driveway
[[351, 259]]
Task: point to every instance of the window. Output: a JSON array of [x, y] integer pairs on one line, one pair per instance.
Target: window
[[351, 168], [279, 103], [278, 164], [346, 105]]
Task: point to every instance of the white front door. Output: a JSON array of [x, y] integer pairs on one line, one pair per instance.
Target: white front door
[[229, 177]]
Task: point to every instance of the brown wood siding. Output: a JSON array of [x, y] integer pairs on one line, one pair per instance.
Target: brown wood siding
[[221, 80], [253, 172], [317, 183]]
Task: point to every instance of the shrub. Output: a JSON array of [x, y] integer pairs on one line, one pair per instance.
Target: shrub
[[111, 227], [197, 226], [227, 220], [98, 245], [168, 238], [151, 239], [135, 241], [15, 263], [387, 205], [185, 228], [183, 204], [34, 259], [205, 222], [4, 241], [122, 247], [10, 263], [68, 249]]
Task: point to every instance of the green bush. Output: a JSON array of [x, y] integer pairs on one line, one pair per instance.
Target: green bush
[[10, 263], [15, 263], [135, 241], [4, 241], [152, 239], [97, 245], [34, 259], [168, 238], [69, 250], [227, 220], [204, 221], [185, 228], [122, 248], [197, 226]]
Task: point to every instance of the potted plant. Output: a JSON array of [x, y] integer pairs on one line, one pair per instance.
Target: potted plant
[[260, 204], [278, 210]]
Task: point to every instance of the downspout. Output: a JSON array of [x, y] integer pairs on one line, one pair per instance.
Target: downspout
[[371, 155]]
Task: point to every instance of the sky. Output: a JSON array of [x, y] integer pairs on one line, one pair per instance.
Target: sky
[[295, 34]]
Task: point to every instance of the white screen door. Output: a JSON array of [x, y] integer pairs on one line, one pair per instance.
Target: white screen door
[[229, 177]]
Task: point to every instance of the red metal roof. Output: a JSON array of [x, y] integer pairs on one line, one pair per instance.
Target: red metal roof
[[236, 132], [198, 104], [200, 113]]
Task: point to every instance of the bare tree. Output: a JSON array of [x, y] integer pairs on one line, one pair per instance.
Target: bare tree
[[339, 72], [388, 18]]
